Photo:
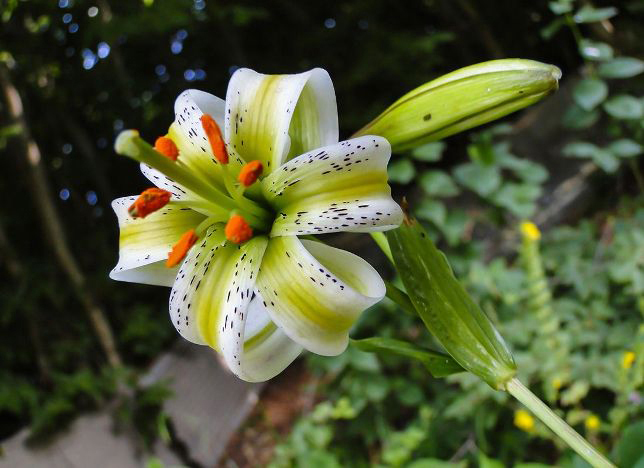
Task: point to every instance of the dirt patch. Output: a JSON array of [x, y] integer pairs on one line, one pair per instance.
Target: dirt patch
[[283, 399]]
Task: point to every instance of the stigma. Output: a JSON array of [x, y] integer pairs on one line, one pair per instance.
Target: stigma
[[238, 230], [180, 249], [148, 202], [217, 145]]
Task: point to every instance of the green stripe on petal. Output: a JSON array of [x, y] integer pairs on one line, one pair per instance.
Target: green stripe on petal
[[342, 187], [272, 117], [144, 243], [315, 293]]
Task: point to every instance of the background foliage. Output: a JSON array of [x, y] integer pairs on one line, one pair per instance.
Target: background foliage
[[87, 69]]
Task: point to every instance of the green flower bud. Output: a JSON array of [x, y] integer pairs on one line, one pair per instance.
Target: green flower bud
[[447, 310], [463, 99]]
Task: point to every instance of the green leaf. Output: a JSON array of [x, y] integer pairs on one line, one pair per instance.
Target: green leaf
[[606, 160], [439, 184], [454, 226], [431, 152], [560, 7], [432, 210], [463, 99], [589, 93], [528, 171], [446, 308], [401, 171], [621, 67], [589, 14], [552, 28], [580, 149], [576, 118], [481, 179], [519, 199], [624, 107], [629, 448], [438, 364], [598, 51], [602, 157], [625, 148]]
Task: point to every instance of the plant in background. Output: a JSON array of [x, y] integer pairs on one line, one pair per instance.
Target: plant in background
[[598, 96]]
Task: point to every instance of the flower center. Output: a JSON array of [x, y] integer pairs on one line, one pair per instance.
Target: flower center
[[243, 210]]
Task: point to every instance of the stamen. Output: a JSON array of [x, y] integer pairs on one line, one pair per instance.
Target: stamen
[[250, 172], [148, 202], [213, 133], [237, 230], [166, 147], [181, 248]]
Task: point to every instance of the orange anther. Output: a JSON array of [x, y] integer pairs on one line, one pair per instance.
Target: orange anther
[[250, 172], [237, 230], [166, 147], [213, 133], [181, 248], [148, 202]]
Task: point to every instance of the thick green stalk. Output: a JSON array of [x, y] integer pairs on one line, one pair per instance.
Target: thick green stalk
[[580, 445]]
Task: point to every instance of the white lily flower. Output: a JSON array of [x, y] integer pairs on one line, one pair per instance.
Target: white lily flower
[[244, 283]]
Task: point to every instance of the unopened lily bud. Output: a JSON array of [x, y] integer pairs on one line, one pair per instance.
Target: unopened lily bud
[[463, 99]]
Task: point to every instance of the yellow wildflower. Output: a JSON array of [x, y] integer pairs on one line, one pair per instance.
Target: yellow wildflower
[[628, 359], [592, 422], [523, 420], [530, 231]]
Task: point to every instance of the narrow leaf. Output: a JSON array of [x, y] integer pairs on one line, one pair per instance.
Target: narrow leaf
[[438, 364]]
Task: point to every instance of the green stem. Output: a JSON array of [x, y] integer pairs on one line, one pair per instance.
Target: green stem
[[383, 243], [557, 425], [400, 297]]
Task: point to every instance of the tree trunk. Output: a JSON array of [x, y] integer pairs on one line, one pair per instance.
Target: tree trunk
[[51, 224]]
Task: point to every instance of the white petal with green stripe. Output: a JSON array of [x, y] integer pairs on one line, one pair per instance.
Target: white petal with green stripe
[[187, 133], [342, 187], [274, 117], [315, 293], [267, 349], [144, 243]]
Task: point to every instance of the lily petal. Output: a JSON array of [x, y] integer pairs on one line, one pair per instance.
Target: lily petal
[[267, 349], [188, 134], [193, 289], [144, 243], [274, 117], [315, 293], [342, 187]]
